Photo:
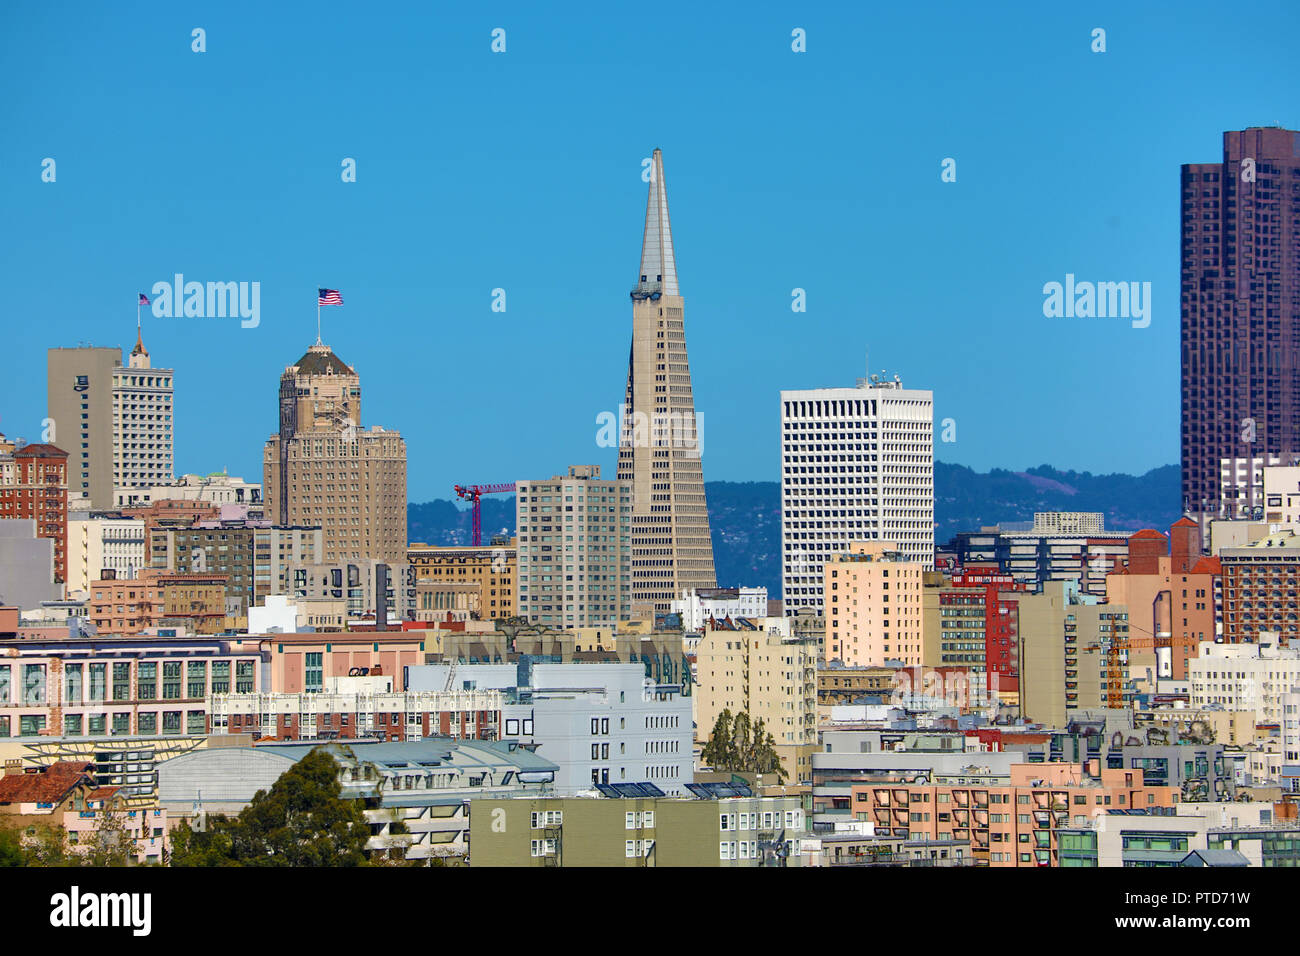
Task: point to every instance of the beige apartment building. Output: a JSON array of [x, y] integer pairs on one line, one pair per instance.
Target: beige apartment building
[[79, 399], [322, 470], [1073, 656], [573, 549], [476, 582], [99, 543], [757, 667], [874, 605]]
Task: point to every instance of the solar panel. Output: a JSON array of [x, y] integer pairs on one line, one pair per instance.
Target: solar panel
[[627, 790], [652, 791], [699, 790], [607, 790]]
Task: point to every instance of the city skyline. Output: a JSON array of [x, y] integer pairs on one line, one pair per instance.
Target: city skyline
[[932, 279]]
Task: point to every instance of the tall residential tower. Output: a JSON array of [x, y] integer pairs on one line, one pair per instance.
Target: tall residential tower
[[1240, 302], [321, 470], [659, 441]]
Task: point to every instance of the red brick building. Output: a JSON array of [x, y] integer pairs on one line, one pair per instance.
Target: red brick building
[[36, 487]]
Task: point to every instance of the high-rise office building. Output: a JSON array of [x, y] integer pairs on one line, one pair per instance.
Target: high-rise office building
[[1240, 301], [114, 419], [659, 441], [573, 549], [322, 470], [857, 464]]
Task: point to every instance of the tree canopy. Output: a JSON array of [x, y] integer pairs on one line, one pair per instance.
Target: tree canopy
[[736, 745], [301, 821]]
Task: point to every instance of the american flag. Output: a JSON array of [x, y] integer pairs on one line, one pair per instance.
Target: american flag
[[329, 297], [144, 299]]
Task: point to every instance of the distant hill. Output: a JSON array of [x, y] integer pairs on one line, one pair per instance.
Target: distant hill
[[745, 516]]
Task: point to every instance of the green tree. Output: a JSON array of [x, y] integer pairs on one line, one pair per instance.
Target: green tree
[[109, 844], [47, 845], [301, 821], [717, 752], [736, 745], [11, 848]]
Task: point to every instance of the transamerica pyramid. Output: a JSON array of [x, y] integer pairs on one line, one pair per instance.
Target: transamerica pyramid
[[660, 438]]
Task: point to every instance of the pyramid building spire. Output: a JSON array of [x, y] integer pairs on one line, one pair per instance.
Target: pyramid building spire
[[658, 264], [660, 440]]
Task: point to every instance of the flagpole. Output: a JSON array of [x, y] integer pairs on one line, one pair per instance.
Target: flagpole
[[318, 317]]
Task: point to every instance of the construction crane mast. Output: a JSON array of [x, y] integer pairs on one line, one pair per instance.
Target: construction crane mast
[[472, 494]]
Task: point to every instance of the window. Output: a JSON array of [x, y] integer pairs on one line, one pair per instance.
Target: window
[[221, 677], [72, 683], [314, 675], [29, 725], [33, 683], [196, 674], [98, 681], [96, 725], [121, 725], [5, 684], [171, 680], [243, 677], [72, 725], [172, 721], [195, 723], [146, 680], [629, 821], [629, 847], [147, 723], [512, 726], [648, 818]]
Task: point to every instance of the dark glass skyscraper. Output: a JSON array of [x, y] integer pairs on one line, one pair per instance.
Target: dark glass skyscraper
[[1240, 301]]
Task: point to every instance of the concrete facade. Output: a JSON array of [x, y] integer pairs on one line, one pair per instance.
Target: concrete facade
[[575, 564], [856, 464]]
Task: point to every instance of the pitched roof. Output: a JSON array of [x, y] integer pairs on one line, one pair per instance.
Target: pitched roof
[[1207, 566], [50, 785], [1184, 522], [40, 451], [320, 360], [1147, 533]]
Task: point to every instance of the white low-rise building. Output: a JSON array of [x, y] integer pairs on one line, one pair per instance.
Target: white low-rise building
[[601, 722], [697, 606], [1253, 677]]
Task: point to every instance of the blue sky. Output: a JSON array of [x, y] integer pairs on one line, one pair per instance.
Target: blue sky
[[522, 171]]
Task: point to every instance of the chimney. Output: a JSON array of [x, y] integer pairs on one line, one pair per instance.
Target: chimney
[[1185, 545], [1145, 549]]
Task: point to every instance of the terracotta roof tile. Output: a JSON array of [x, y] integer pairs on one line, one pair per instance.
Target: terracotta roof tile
[[50, 785]]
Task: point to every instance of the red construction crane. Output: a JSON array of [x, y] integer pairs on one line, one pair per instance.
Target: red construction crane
[[472, 493]]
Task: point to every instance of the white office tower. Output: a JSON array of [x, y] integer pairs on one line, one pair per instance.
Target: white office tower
[[857, 464]]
